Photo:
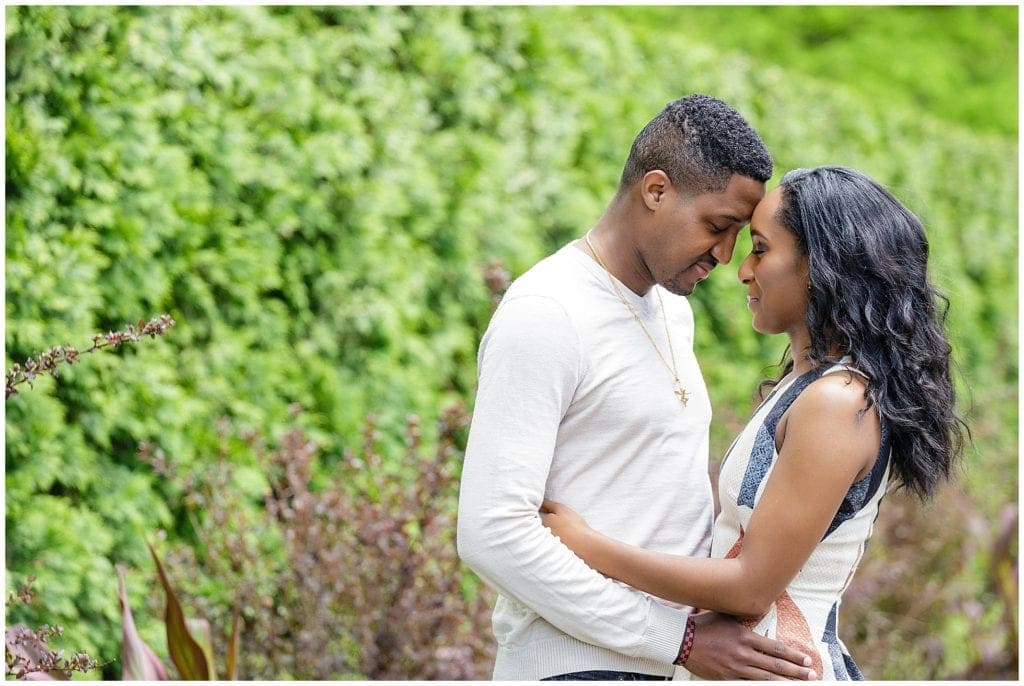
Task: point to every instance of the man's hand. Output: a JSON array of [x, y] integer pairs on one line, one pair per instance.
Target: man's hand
[[724, 649]]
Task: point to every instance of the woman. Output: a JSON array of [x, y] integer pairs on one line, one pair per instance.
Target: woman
[[840, 267]]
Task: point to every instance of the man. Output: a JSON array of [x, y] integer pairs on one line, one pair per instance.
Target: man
[[589, 394]]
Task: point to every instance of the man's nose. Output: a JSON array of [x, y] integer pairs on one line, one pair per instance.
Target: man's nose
[[722, 251]]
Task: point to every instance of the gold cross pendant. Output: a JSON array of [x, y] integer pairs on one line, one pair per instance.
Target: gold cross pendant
[[684, 397]]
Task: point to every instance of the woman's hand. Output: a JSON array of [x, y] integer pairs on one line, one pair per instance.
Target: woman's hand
[[571, 528]]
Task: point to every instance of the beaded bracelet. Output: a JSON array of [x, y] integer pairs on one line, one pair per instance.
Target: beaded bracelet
[[687, 645]]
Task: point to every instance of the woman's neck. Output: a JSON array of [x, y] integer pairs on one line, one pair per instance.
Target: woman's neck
[[800, 348]]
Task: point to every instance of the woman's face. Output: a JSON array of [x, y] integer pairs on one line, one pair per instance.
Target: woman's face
[[776, 273]]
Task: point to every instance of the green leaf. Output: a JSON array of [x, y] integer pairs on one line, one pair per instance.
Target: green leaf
[[138, 661], [203, 634], [186, 653], [231, 666]]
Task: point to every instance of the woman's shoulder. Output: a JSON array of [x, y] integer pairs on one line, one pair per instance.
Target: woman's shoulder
[[832, 411], [836, 403], [837, 392]]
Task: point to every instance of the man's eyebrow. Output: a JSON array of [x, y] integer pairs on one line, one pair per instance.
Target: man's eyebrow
[[735, 219]]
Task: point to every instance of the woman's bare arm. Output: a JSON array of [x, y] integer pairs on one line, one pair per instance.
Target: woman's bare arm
[[827, 446]]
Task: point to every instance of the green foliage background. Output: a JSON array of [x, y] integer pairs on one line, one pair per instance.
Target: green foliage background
[[313, 193]]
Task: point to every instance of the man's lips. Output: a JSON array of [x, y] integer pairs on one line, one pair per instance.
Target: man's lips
[[703, 269], [751, 299]]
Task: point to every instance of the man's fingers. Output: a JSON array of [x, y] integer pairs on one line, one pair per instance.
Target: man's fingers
[[779, 670], [783, 671], [780, 651], [783, 662]]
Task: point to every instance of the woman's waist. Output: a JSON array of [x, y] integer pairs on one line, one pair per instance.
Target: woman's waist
[[807, 618]]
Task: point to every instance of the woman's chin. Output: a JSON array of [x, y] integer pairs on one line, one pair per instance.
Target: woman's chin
[[761, 328]]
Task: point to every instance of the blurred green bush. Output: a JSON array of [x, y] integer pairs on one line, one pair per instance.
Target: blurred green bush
[[314, 193], [955, 62]]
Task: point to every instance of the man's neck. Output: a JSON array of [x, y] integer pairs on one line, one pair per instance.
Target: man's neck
[[610, 239]]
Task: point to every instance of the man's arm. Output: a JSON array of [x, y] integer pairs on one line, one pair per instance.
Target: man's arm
[[529, 368]]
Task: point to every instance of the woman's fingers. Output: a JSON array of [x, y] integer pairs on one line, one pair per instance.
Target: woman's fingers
[[549, 506]]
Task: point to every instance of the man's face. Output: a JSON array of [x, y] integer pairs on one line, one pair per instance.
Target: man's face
[[691, 235]]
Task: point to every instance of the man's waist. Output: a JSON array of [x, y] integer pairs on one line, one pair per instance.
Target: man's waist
[[558, 653]]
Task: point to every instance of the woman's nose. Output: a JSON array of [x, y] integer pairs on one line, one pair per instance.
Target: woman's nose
[[745, 273]]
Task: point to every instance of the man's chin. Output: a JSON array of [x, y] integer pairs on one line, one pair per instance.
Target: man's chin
[[679, 287]]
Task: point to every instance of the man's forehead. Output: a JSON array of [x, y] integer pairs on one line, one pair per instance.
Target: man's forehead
[[735, 202], [742, 191], [736, 210]]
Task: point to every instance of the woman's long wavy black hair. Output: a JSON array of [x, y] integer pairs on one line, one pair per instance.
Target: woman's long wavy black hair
[[870, 297]]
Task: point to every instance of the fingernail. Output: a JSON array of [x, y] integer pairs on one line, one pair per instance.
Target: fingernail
[[807, 661], [813, 676]]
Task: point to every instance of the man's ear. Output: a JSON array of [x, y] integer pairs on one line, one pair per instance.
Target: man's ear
[[653, 189]]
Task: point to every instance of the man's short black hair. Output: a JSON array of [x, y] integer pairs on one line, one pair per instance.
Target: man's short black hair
[[700, 142]]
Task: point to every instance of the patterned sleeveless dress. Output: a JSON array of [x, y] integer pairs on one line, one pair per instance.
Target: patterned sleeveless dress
[[805, 615]]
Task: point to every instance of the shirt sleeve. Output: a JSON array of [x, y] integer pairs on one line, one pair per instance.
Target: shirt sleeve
[[529, 368]]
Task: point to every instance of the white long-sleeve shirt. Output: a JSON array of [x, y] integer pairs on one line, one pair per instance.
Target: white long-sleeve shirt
[[574, 404]]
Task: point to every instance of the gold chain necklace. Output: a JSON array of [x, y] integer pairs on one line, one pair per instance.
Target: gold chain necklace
[[684, 397]]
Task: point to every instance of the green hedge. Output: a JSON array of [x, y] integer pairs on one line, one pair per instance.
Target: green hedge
[[313, 193], [954, 62]]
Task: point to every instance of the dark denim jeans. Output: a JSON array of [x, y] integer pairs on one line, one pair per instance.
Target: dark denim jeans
[[605, 675]]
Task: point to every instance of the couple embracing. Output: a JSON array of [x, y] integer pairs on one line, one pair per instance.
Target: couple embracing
[[585, 497]]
